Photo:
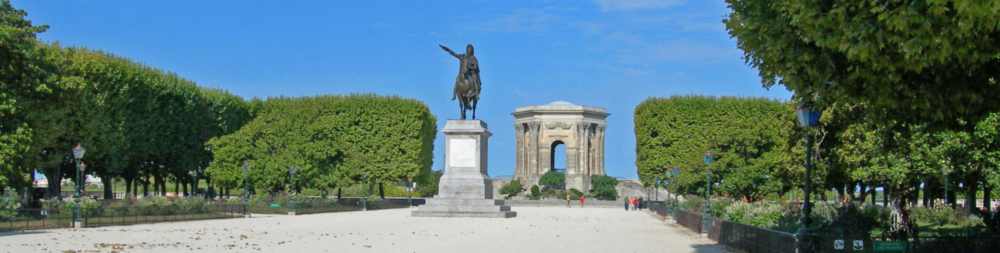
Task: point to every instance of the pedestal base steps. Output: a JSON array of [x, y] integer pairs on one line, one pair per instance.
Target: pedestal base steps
[[453, 207]]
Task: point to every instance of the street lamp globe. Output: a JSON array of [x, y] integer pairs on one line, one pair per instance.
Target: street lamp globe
[[808, 117], [79, 151]]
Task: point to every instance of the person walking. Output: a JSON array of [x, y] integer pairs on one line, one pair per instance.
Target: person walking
[[626, 200], [582, 199], [567, 200]]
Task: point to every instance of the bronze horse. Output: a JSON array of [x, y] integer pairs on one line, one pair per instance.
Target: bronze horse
[[467, 84]]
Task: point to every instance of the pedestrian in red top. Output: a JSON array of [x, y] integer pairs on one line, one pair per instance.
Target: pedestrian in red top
[[582, 199]]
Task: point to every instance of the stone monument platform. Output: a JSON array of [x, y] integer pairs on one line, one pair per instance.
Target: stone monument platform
[[465, 189]]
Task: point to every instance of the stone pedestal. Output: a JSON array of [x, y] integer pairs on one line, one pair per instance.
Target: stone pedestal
[[465, 189]]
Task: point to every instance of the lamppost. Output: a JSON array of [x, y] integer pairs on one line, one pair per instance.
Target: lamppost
[[246, 188], [194, 183], [808, 118], [706, 218], [673, 174], [944, 172], [78, 153]]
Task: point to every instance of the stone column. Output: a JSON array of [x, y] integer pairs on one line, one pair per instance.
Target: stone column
[[600, 150], [533, 152], [519, 151]]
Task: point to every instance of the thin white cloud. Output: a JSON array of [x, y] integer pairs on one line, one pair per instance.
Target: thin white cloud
[[522, 20], [632, 5]]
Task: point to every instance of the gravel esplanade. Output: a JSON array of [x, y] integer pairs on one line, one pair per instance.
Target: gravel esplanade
[[535, 229]]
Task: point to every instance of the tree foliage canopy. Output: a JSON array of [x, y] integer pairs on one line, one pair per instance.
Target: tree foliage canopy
[[331, 141], [922, 61], [749, 139]]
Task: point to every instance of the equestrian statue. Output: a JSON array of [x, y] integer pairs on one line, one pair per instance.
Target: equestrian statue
[[467, 84]]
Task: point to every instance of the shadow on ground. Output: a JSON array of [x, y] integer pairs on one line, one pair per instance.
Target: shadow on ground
[[708, 248], [12, 233]]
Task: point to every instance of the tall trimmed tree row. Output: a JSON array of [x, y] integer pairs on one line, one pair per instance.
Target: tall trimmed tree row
[[749, 138], [329, 141], [23, 81], [137, 122]]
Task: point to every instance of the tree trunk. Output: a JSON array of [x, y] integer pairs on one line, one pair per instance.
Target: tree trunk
[[952, 201], [145, 186], [850, 191], [108, 182], [381, 190], [872, 193], [128, 187], [885, 196], [163, 186], [927, 193], [54, 175], [841, 193], [177, 187], [987, 199], [971, 187], [902, 215]]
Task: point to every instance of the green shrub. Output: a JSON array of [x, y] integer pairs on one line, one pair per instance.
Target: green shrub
[[8, 204], [88, 207], [717, 208], [944, 216], [155, 206], [234, 201], [692, 203], [512, 189], [191, 205], [758, 214], [603, 187], [535, 193], [553, 180], [554, 194]]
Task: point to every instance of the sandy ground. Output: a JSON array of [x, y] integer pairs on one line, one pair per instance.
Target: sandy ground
[[535, 229]]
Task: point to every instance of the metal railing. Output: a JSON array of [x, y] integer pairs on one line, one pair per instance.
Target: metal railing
[[689, 220], [752, 239], [973, 244], [743, 238]]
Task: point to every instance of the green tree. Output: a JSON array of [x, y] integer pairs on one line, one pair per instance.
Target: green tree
[[512, 189], [603, 187], [333, 141], [923, 61], [23, 80], [750, 138], [553, 180]]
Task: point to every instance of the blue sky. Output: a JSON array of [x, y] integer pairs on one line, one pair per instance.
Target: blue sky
[[605, 53]]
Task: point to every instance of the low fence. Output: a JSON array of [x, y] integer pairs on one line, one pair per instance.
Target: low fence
[[752, 239], [319, 205], [689, 220], [131, 216], [989, 242], [562, 203], [38, 218], [739, 237]]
